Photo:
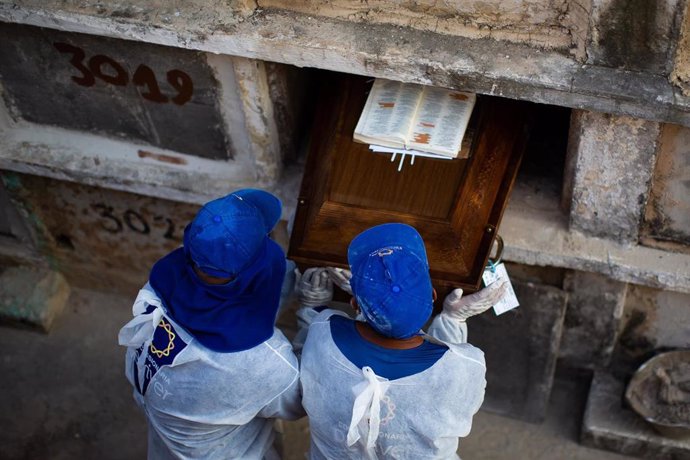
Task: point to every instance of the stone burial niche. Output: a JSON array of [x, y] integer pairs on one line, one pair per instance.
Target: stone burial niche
[[457, 207]]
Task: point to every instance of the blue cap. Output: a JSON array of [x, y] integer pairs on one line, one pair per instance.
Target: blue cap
[[390, 279], [228, 233]]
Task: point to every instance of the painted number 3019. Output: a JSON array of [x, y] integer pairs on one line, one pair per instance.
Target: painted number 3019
[[110, 71]]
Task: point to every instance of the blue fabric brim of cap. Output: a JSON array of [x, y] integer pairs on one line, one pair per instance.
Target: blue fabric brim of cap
[[268, 205], [385, 235]]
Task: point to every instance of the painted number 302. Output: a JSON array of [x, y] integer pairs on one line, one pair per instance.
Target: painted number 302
[[110, 71], [113, 223]]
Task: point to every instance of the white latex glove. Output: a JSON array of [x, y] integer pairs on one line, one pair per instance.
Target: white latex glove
[[341, 278], [314, 287], [461, 308]]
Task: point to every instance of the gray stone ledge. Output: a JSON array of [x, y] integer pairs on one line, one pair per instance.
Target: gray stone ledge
[[484, 65], [99, 161], [536, 232]]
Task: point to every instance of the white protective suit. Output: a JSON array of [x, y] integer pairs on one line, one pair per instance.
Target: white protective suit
[[205, 404], [354, 414]]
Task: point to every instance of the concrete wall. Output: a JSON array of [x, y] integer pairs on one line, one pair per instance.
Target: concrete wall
[[125, 169], [159, 96], [195, 126], [608, 174], [609, 166], [96, 237], [592, 320], [667, 216], [607, 323], [545, 23], [637, 35], [503, 60], [653, 320], [681, 65]]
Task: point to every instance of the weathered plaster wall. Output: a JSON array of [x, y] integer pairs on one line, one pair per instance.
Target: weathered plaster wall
[[592, 320], [240, 28], [553, 24], [17, 238], [162, 96], [536, 232], [218, 14], [12, 224], [544, 23], [681, 66], [81, 157], [289, 90], [667, 216], [523, 346], [609, 166], [167, 98], [260, 123], [637, 35], [653, 320], [515, 69], [98, 238], [108, 130]]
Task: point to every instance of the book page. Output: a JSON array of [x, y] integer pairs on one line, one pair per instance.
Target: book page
[[441, 121], [388, 113]]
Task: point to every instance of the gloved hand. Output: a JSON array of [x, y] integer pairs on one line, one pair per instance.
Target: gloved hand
[[341, 278], [314, 287], [458, 307]]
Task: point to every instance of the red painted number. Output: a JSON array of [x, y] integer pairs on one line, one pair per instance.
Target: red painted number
[[183, 84], [110, 71], [86, 78], [145, 77]]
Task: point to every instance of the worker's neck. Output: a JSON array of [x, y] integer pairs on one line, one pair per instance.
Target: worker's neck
[[372, 336]]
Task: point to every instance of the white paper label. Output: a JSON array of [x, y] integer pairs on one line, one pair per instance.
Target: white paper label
[[509, 301]]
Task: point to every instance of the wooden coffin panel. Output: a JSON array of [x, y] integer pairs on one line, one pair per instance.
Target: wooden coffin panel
[[455, 205]]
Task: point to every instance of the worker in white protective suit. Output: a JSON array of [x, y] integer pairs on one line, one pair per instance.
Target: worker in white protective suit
[[380, 387], [208, 367]]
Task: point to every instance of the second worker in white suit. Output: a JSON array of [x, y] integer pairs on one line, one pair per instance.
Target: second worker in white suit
[[381, 387]]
